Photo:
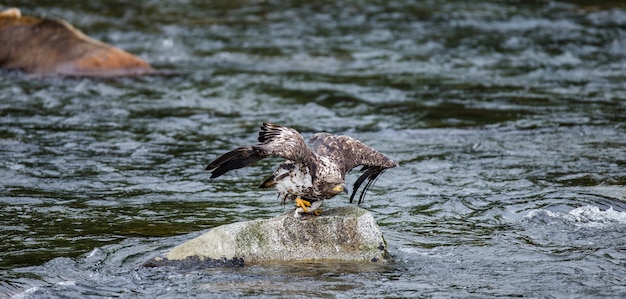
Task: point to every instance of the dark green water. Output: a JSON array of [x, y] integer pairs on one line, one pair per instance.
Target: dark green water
[[507, 118]]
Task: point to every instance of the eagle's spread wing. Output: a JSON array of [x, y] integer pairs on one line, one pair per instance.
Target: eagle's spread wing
[[274, 140], [348, 153]]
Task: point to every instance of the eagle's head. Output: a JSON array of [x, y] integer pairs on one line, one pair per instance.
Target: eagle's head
[[334, 188]]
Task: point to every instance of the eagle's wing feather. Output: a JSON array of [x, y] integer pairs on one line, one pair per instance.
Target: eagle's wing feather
[[283, 142], [235, 159], [274, 140], [348, 153]]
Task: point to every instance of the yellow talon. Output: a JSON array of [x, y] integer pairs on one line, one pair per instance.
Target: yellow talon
[[301, 203], [317, 212]]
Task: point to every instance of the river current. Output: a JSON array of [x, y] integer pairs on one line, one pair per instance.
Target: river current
[[508, 119]]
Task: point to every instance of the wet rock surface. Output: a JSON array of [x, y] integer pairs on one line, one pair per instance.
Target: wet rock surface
[[343, 234], [194, 263]]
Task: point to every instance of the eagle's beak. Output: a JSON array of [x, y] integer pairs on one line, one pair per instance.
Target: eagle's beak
[[340, 188]]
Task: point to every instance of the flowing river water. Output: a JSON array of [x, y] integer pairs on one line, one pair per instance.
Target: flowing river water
[[508, 119]]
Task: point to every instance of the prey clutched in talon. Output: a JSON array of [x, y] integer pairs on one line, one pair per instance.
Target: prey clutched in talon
[[301, 203], [312, 208]]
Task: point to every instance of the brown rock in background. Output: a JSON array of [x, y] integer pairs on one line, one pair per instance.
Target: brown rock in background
[[54, 47]]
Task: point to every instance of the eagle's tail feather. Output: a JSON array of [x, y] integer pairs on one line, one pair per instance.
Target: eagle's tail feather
[[235, 159], [371, 174]]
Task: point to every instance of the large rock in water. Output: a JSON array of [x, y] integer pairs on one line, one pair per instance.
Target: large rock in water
[[53, 47], [341, 234]]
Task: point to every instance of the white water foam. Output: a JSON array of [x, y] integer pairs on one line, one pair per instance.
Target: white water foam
[[584, 216], [25, 294]]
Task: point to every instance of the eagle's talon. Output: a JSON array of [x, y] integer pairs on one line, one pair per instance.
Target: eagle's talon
[[317, 212], [301, 203]]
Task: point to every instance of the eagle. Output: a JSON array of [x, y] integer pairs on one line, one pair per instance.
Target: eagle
[[309, 175]]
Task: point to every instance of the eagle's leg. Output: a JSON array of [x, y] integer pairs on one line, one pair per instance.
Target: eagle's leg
[[301, 203], [316, 207]]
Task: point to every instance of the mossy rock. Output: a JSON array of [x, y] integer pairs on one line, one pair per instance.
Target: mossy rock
[[340, 234]]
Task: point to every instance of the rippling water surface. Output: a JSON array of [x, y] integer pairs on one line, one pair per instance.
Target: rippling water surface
[[507, 118]]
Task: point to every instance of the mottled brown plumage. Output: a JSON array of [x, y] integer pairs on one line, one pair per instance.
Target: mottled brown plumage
[[314, 173]]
